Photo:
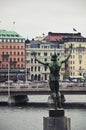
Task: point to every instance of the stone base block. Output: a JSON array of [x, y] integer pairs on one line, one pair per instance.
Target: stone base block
[[56, 123], [56, 113]]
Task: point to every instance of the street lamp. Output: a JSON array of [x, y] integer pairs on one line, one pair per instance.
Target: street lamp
[[26, 75], [8, 82]]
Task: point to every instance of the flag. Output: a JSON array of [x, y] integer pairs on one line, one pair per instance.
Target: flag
[[74, 29], [14, 22]]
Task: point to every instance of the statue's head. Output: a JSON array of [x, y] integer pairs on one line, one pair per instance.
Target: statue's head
[[54, 57]]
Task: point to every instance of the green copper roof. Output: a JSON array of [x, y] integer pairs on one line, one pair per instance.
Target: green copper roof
[[9, 34]]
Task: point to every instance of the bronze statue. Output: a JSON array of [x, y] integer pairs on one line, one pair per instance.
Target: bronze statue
[[54, 66]]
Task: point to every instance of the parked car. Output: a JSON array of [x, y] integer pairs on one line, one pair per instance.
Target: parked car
[[9, 81]]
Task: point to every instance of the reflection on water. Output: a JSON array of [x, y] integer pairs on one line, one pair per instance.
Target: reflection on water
[[44, 98], [69, 98], [28, 118]]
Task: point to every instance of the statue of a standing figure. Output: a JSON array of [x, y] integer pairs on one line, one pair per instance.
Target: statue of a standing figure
[[54, 66]]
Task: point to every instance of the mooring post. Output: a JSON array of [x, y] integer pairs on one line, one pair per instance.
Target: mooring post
[[56, 120]]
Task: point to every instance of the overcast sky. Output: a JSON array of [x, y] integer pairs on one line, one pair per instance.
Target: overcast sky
[[34, 17]]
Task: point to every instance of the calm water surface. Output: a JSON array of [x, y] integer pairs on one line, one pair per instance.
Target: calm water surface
[[22, 118], [31, 118]]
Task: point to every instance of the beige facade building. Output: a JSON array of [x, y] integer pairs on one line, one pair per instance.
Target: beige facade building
[[44, 51], [77, 61]]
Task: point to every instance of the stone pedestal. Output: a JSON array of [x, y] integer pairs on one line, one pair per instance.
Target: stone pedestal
[[56, 121]]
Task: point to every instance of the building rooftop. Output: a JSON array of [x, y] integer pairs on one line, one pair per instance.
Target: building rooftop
[[55, 37], [9, 34]]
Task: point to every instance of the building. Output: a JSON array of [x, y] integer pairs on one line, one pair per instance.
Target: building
[[59, 37], [77, 61], [12, 55], [76, 65], [59, 43], [44, 51]]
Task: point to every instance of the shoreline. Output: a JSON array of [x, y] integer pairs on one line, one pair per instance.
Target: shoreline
[[67, 105]]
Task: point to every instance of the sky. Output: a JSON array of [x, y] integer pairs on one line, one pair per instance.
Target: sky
[[31, 18]]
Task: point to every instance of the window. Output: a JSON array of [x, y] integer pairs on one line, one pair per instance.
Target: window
[[2, 53], [14, 53], [31, 68], [45, 53], [35, 60], [38, 68], [21, 65], [10, 53], [2, 66], [45, 59], [18, 66], [45, 68], [18, 53], [18, 47], [10, 47], [39, 54], [21, 59], [80, 62], [14, 59], [22, 47], [80, 67], [18, 59], [10, 59], [31, 60], [6, 59], [6, 53], [21, 53]]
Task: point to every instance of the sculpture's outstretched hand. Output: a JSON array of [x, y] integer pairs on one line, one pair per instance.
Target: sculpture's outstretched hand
[[71, 46]]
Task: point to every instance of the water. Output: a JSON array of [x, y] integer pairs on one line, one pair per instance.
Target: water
[[30, 118]]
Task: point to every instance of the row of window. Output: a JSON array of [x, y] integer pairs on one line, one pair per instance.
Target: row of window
[[12, 47], [75, 40], [73, 62], [12, 66], [13, 53], [73, 68], [44, 54], [37, 68], [12, 40], [13, 59]]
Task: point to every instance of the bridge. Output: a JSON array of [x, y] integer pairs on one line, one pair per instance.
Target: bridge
[[42, 91]]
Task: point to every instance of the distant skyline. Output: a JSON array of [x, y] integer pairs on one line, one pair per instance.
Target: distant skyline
[[31, 18]]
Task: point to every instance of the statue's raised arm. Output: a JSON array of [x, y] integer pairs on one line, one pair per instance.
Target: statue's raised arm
[[70, 51]]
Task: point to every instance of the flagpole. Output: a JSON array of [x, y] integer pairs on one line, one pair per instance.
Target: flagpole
[[13, 26]]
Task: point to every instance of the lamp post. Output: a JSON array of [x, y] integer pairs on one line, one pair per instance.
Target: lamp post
[[8, 82], [26, 75]]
